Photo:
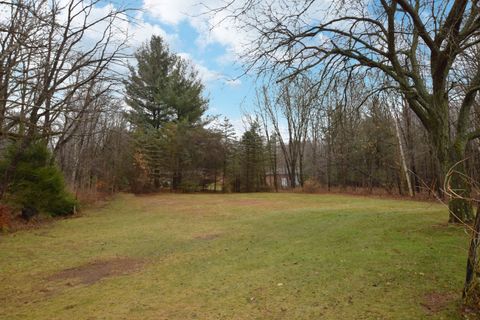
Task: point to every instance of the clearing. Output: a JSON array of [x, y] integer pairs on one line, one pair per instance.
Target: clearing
[[238, 256]]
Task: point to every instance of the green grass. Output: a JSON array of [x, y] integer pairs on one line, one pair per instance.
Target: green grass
[[240, 256]]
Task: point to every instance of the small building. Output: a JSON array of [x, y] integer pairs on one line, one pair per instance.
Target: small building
[[283, 180]]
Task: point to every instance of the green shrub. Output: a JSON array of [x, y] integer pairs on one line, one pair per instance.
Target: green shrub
[[37, 182]]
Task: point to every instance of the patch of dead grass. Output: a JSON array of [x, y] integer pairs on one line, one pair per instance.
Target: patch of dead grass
[[207, 236], [95, 271], [435, 302]]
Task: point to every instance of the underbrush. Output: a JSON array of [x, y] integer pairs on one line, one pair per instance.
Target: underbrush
[[314, 187]]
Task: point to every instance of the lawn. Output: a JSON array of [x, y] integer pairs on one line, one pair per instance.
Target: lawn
[[237, 256]]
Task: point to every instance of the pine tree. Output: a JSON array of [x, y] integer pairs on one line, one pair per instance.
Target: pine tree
[[252, 159], [228, 143], [163, 88], [165, 96]]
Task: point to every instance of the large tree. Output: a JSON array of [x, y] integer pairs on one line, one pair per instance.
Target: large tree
[[418, 47], [252, 159], [165, 96], [163, 87]]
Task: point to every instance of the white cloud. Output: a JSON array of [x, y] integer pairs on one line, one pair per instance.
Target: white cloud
[[142, 31], [211, 28], [131, 31], [227, 58], [139, 29], [171, 11], [207, 75], [233, 82], [136, 29], [220, 28], [240, 125]]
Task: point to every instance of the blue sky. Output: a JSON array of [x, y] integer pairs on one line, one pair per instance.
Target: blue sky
[[214, 52]]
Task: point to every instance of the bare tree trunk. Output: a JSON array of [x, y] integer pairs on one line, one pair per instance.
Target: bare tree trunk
[[471, 289], [274, 167], [402, 154], [215, 181], [224, 173], [449, 160]]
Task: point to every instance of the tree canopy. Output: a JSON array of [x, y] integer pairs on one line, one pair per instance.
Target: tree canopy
[[163, 88]]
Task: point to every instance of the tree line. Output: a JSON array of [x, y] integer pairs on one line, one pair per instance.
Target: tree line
[[72, 125], [148, 130]]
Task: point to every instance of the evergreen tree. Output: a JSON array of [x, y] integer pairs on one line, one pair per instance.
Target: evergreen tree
[[163, 88], [166, 99], [252, 159], [38, 184], [147, 83], [228, 148]]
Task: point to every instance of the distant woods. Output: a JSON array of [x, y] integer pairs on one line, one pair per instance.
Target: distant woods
[[344, 139]]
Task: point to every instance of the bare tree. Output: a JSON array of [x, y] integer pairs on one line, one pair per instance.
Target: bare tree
[[291, 104], [54, 56], [403, 159]]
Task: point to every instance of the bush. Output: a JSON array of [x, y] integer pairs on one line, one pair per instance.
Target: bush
[[311, 186], [5, 217], [37, 183]]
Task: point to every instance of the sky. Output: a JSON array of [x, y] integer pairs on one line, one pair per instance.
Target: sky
[[214, 52]]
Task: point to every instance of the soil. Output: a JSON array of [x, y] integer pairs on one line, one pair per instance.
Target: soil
[[435, 302], [207, 236], [95, 271]]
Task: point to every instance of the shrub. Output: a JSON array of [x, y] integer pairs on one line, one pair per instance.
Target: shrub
[[5, 217], [37, 183], [311, 186]]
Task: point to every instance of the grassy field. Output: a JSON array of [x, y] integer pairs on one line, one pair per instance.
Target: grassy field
[[238, 256]]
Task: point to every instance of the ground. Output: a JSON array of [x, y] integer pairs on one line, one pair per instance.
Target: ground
[[237, 256]]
